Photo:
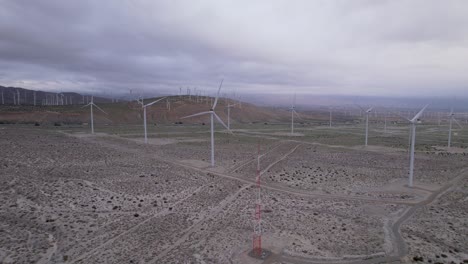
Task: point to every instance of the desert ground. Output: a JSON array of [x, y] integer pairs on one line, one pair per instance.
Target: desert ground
[[67, 196]]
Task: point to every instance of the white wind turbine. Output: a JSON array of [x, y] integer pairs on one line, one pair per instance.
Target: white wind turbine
[[413, 123], [385, 122], [293, 112], [91, 104], [213, 115], [452, 118], [229, 114], [368, 111], [144, 113]]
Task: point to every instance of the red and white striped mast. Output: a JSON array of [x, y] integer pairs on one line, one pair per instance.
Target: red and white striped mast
[[257, 236]]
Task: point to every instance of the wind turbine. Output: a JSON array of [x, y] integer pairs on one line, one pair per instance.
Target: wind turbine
[[452, 118], [293, 111], [91, 104], [213, 115], [413, 123], [368, 111], [144, 113], [385, 122], [229, 114]]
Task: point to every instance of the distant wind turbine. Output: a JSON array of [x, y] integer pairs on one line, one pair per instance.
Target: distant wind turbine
[[213, 115], [452, 118], [368, 111], [91, 104], [144, 113], [229, 114], [293, 112], [385, 122], [413, 123]]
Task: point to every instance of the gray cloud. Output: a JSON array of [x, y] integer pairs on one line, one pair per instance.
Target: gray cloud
[[342, 47]]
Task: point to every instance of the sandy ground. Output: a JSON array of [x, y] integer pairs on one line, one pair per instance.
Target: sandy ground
[[104, 199]]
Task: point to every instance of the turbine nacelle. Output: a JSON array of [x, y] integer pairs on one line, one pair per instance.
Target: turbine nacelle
[[451, 114], [416, 118]]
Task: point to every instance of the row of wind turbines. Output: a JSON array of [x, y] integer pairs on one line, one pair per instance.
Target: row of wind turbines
[[214, 116], [210, 112], [415, 120]]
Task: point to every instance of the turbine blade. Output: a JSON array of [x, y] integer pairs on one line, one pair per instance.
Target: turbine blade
[[100, 109], [198, 114], [456, 121], [294, 111], [154, 102], [370, 109], [217, 95], [404, 117], [360, 107], [415, 118], [222, 123], [86, 105]]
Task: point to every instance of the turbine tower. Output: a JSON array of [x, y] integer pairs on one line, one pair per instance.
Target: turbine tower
[[293, 112], [257, 234], [213, 115], [91, 104], [368, 111], [385, 122], [144, 114], [413, 123], [229, 114], [452, 118]]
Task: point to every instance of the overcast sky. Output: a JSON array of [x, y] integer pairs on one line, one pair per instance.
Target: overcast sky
[[368, 47]]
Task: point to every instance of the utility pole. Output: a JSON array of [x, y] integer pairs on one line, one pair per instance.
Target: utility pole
[[257, 234]]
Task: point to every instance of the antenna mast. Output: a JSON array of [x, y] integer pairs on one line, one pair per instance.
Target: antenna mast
[[257, 235]]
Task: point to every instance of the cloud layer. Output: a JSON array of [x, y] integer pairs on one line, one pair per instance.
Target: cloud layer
[[331, 46]]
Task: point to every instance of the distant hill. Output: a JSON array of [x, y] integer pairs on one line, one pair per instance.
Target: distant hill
[[167, 111], [22, 96]]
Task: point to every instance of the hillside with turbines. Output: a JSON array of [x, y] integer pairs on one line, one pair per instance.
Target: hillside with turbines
[[168, 111], [149, 177], [22, 96]]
